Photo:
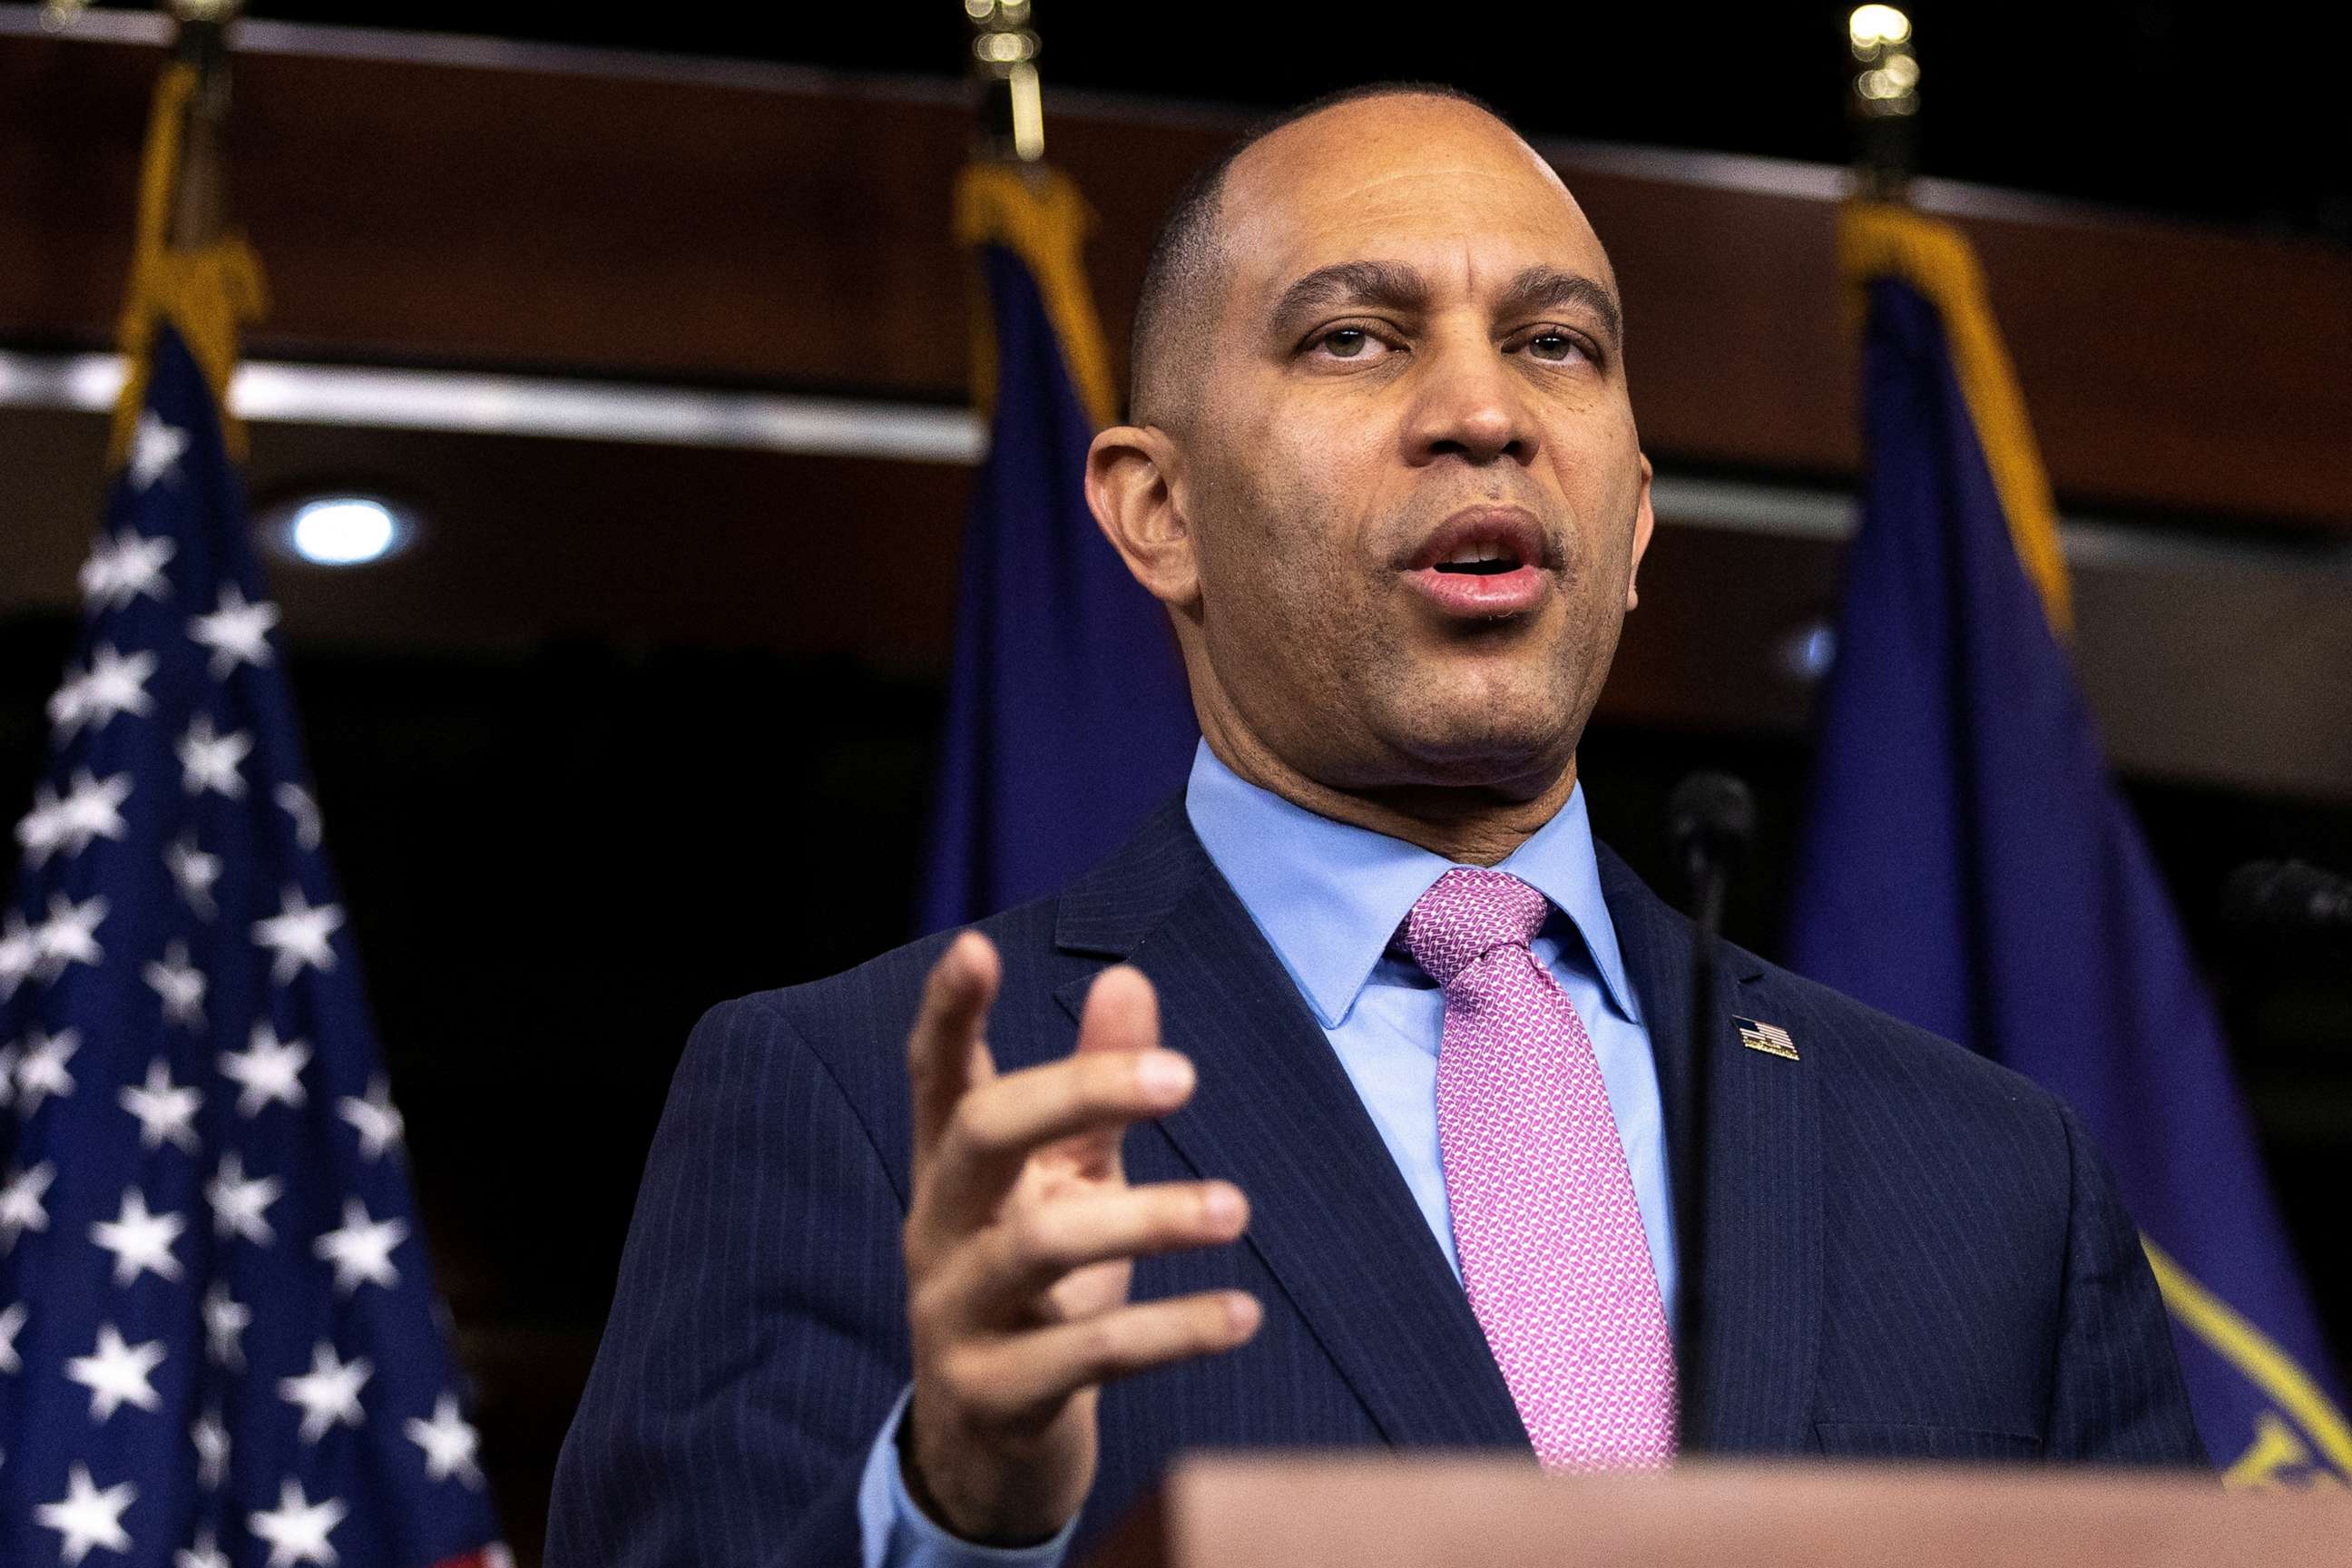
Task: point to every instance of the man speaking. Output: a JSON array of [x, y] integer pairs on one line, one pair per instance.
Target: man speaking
[[1329, 1111]]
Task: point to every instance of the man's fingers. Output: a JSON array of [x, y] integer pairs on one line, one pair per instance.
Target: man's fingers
[[1000, 1279], [945, 1052], [1121, 1013], [996, 1127], [1015, 1378]]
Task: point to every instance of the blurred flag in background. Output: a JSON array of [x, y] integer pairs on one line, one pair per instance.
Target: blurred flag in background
[[1969, 867], [1067, 713], [218, 1342]]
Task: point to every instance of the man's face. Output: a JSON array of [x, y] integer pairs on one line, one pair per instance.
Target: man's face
[[1410, 470]]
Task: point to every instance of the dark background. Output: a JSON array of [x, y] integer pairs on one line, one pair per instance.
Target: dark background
[[2215, 111], [557, 852]]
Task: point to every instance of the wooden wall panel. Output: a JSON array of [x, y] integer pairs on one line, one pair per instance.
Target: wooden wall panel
[[784, 228]]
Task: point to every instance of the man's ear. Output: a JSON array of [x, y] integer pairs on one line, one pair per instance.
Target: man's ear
[[1132, 472], [1644, 524]]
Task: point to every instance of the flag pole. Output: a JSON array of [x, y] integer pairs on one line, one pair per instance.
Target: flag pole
[[199, 194], [1881, 234], [1004, 64], [1883, 101], [1008, 195], [187, 267]]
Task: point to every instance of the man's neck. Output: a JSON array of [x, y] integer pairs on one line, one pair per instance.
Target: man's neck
[[1471, 825]]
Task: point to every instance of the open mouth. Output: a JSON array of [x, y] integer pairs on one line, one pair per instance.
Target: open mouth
[[1485, 563], [1488, 559]]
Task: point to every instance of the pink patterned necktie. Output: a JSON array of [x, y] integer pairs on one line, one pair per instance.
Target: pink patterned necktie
[[1553, 1254]]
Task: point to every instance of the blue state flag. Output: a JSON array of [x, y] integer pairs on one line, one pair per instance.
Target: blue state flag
[[219, 1343], [1969, 866], [1068, 713]]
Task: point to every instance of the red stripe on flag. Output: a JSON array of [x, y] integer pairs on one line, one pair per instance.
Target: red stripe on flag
[[494, 1556]]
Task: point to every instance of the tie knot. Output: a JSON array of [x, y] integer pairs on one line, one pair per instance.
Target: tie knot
[[1466, 914]]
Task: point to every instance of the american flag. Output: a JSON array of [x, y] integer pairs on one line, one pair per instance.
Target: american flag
[[219, 1341]]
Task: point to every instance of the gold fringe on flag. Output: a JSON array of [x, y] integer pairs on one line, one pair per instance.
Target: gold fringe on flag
[[1038, 215], [1875, 240], [204, 291]]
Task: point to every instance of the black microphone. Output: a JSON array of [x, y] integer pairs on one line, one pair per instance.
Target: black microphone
[[1710, 818], [2287, 896]]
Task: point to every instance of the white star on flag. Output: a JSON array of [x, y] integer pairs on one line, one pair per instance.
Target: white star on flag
[[204, 1553], [93, 809], [210, 1439], [361, 1248], [117, 1374], [194, 871], [448, 1443], [42, 1072], [296, 802], [297, 1529], [155, 447], [225, 1320], [20, 1202], [12, 1323], [90, 809], [18, 953], [268, 1070], [87, 1517], [240, 1207], [377, 1120], [42, 830], [209, 761], [237, 632], [123, 568], [329, 1392], [141, 1242], [110, 687], [68, 936], [298, 935], [164, 1111], [180, 985]]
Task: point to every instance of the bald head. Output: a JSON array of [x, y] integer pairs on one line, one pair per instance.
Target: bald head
[[1184, 277]]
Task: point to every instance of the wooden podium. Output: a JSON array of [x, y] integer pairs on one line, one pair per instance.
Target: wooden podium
[[1379, 1512]]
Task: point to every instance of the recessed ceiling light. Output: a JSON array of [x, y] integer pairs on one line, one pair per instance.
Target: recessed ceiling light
[[341, 529]]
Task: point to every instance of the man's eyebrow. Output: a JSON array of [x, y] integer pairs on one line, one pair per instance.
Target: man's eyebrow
[[1392, 285], [1543, 287], [1388, 285]]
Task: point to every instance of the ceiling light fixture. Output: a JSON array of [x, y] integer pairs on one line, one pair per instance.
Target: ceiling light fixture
[[340, 528]]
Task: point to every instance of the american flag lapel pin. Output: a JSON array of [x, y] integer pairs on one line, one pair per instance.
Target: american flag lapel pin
[[1769, 1039]]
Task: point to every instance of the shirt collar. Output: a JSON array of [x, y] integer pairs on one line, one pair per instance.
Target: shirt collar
[[1329, 896]]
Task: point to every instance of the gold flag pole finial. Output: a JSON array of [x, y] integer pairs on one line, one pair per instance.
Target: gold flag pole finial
[[187, 269], [1883, 99], [1004, 62]]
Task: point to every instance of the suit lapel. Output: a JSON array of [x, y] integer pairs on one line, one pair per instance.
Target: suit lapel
[[1331, 1218], [1763, 1272]]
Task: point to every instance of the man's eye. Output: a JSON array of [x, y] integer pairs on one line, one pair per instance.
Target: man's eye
[[1348, 342], [1555, 346]]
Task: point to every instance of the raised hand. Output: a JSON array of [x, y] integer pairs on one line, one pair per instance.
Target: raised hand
[[1020, 1243]]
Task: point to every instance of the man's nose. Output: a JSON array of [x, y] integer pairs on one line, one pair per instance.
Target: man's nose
[[1467, 404]]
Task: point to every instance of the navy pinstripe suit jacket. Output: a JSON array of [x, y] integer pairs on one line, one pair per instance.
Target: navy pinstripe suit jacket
[[1915, 1253]]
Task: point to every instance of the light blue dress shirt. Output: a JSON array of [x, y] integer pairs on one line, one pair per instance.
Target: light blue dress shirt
[[1329, 898]]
